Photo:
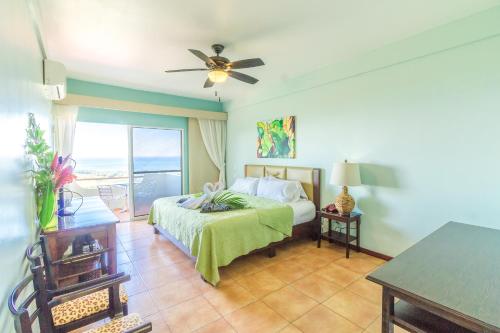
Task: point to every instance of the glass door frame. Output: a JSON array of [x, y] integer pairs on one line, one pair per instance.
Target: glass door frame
[[131, 166]]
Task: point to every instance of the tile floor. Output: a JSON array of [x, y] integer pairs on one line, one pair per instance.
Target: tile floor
[[302, 289]]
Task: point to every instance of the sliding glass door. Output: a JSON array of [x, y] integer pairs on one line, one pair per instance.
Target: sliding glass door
[[156, 166]]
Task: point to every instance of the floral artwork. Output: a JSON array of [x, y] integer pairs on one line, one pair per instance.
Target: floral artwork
[[276, 138]]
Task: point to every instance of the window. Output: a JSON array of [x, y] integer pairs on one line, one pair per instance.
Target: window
[[101, 154]]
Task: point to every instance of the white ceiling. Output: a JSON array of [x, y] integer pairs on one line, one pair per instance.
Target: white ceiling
[[131, 42]]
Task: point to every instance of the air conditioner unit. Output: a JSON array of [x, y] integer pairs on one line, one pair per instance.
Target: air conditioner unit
[[54, 79]]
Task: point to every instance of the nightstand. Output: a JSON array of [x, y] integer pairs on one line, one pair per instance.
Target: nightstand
[[337, 236]]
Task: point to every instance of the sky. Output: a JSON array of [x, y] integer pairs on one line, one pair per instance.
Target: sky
[[99, 141]]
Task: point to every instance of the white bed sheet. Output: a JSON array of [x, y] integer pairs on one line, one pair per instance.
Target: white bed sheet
[[303, 211]]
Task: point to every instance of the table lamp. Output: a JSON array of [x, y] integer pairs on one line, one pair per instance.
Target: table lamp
[[345, 174]]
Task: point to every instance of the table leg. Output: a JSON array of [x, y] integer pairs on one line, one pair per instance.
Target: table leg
[[358, 235], [387, 311], [319, 232], [330, 231], [347, 233]]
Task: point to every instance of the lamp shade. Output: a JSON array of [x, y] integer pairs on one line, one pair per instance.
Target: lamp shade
[[345, 174]]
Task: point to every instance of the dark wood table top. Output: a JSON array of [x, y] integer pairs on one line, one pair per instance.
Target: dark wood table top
[[93, 212], [457, 268]]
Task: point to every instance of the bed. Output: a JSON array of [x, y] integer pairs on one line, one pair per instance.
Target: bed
[[216, 239]]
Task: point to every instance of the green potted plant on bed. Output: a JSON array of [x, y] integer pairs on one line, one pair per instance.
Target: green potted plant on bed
[[49, 174]]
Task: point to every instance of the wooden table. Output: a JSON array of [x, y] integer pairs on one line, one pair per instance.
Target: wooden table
[[448, 282], [336, 236], [93, 218]]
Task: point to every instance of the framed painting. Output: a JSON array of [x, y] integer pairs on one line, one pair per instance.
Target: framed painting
[[276, 138]]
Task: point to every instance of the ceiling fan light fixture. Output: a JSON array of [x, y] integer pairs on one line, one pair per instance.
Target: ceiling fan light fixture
[[217, 76]]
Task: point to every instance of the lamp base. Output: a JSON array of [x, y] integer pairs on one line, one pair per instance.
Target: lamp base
[[344, 202]]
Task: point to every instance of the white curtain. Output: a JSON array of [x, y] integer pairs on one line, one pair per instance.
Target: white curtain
[[64, 127], [213, 133]]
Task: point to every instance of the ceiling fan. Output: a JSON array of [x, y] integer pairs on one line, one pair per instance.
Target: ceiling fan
[[220, 68]]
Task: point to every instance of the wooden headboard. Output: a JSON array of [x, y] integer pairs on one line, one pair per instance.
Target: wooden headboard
[[309, 177]]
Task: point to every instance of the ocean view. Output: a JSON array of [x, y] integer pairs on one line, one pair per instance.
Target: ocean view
[[117, 167]]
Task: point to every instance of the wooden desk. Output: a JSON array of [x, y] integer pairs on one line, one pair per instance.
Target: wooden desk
[[448, 282], [93, 218]]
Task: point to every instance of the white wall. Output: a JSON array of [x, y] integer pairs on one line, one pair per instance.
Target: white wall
[[20, 93], [422, 115]]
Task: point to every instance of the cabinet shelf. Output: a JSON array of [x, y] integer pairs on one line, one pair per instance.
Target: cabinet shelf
[[80, 257]]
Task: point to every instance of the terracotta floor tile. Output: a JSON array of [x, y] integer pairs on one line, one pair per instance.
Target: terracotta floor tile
[[338, 274], [367, 289], [189, 315], [290, 329], [218, 326], [353, 307], [135, 285], [159, 325], [256, 317], [154, 251], [316, 287], [376, 327], [122, 258], [161, 276], [260, 284], [261, 260], [204, 287], [321, 319], [312, 262], [288, 271], [173, 293], [127, 268], [239, 267], [328, 251], [160, 260], [164, 277], [289, 302], [356, 264], [142, 304], [228, 298]]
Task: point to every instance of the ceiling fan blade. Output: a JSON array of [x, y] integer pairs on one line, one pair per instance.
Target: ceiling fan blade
[[247, 63], [203, 57], [242, 77], [208, 84], [186, 70]]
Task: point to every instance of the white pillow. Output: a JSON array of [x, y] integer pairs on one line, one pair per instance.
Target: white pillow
[[246, 185], [280, 190]]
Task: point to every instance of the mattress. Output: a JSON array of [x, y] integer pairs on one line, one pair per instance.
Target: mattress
[[303, 211]]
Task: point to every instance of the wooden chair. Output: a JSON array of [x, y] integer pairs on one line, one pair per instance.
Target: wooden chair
[[27, 313], [77, 312]]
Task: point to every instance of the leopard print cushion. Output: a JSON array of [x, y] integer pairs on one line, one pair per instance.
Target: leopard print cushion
[[119, 325], [84, 306]]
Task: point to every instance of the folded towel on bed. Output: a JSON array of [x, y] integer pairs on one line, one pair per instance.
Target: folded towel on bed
[[209, 191]]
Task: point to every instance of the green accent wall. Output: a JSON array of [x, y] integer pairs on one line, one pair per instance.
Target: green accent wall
[[422, 116], [139, 96], [21, 92]]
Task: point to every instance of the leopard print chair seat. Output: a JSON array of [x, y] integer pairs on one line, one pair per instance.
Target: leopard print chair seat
[[84, 306], [119, 325]]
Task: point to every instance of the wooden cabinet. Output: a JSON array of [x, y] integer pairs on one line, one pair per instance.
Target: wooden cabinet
[[95, 220]]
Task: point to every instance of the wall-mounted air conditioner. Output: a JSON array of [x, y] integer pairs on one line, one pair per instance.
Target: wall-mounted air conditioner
[[54, 79]]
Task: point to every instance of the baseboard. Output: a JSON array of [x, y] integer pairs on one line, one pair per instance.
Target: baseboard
[[375, 254], [367, 251]]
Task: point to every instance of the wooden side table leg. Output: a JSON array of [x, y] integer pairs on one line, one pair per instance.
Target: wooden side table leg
[[347, 234], [319, 232], [387, 311], [358, 235], [330, 231]]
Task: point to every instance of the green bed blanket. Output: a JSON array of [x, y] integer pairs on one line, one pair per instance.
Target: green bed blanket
[[216, 239]]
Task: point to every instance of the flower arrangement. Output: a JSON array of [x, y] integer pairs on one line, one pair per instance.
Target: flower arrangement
[[49, 172]]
